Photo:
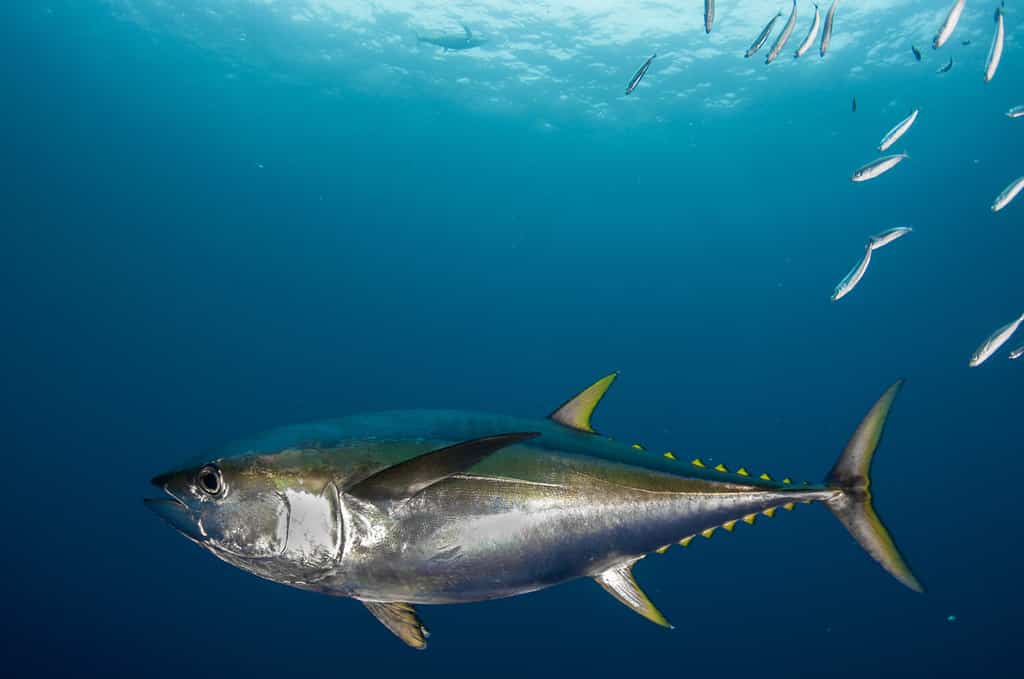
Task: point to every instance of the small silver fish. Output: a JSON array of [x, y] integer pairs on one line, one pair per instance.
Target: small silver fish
[[1016, 112], [946, 68], [851, 279], [709, 15], [1017, 353], [994, 342], [812, 34], [995, 52], [949, 24], [898, 130], [783, 38], [878, 167], [639, 75], [880, 240], [826, 37], [1008, 194], [762, 37]]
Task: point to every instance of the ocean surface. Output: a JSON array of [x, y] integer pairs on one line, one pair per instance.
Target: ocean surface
[[222, 216]]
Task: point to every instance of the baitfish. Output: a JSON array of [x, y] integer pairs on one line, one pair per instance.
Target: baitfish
[[945, 69], [454, 42], [826, 37], [762, 37], [709, 15], [878, 167], [851, 279], [442, 507], [1016, 112], [994, 342], [1008, 194], [917, 52], [639, 75], [898, 130], [880, 240], [995, 52], [783, 38], [949, 25], [1017, 353], [812, 35], [853, 105]]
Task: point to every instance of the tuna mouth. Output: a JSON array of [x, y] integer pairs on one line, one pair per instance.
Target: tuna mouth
[[174, 512], [161, 504], [161, 482]]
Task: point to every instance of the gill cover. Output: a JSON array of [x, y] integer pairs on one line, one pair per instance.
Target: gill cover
[[246, 523]]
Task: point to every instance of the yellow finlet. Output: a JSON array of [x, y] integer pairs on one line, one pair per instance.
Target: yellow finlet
[[787, 480], [742, 471], [788, 506], [697, 462], [669, 455], [770, 512], [576, 412], [708, 532], [765, 477], [750, 518], [662, 549], [638, 446], [721, 467], [729, 525], [685, 542]]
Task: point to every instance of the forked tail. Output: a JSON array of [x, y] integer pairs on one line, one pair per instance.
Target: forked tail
[[852, 475]]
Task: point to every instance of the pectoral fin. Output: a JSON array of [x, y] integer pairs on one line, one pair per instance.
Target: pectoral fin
[[619, 582], [405, 479], [575, 413], [402, 620]]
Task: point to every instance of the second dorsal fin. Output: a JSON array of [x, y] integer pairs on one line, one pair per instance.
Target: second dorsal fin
[[576, 412]]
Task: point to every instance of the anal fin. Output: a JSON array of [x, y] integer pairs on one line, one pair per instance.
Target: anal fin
[[619, 582], [403, 621]]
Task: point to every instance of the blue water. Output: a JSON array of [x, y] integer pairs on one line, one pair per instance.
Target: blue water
[[200, 242]]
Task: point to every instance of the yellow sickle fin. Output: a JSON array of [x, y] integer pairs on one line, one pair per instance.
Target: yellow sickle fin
[[576, 412], [619, 582], [402, 620]]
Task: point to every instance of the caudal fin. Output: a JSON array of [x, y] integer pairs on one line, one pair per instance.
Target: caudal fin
[[852, 475]]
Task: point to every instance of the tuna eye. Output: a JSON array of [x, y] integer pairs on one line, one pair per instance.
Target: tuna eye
[[209, 479]]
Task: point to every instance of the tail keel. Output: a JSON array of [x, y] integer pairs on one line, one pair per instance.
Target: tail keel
[[852, 476]]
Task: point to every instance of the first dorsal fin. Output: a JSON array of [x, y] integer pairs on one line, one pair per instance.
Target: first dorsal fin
[[402, 620], [405, 479], [619, 582], [576, 412]]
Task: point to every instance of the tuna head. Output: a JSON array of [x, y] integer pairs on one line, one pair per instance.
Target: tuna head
[[256, 513]]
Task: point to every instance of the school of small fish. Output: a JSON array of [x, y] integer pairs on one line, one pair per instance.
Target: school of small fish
[[876, 168], [874, 243]]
